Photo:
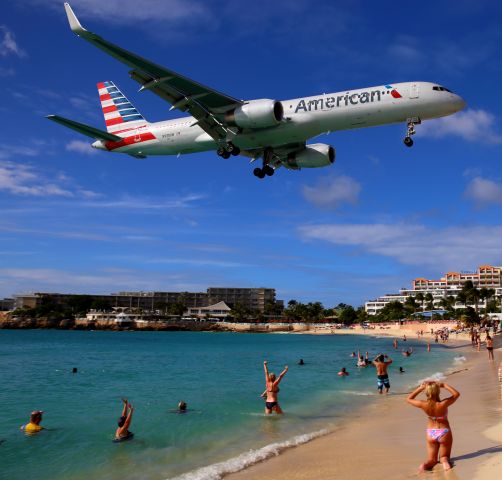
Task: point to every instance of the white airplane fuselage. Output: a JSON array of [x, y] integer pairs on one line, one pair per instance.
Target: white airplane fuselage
[[304, 118]]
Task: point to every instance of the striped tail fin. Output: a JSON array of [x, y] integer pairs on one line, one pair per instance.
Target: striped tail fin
[[120, 114]]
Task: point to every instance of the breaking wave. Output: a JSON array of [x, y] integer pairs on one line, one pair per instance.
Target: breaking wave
[[217, 470]]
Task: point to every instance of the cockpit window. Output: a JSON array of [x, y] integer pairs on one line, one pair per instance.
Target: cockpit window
[[441, 89]]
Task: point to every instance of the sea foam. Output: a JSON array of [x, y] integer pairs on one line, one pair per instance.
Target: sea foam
[[435, 377], [460, 359], [217, 470]]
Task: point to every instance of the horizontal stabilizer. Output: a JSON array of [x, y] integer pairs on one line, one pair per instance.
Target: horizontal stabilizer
[[85, 129]]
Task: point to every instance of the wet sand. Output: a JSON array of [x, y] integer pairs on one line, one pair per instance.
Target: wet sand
[[387, 440]]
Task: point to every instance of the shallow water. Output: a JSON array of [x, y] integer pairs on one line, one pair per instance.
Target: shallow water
[[219, 375]]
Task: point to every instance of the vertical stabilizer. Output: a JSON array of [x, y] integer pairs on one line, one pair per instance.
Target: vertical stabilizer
[[120, 114]]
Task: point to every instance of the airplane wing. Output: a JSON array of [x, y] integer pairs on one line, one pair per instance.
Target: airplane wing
[[208, 106], [85, 129]]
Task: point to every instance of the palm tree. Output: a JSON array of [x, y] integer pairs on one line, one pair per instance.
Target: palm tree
[[420, 298], [430, 300]]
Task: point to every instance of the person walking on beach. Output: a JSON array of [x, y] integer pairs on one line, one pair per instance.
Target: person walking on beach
[[439, 437], [489, 347], [33, 426], [381, 363], [272, 390], [122, 433]]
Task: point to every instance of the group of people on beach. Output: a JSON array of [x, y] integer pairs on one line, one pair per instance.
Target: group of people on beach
[[439, 436]]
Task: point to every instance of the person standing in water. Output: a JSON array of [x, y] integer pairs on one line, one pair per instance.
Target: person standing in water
[[122, 433], [272, 390], [438, 434], [381, 363], [34, 424]]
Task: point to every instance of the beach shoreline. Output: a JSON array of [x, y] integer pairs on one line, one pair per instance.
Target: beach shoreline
[[386, 440]]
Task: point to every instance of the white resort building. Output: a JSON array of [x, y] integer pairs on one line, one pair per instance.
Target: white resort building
[[486, 276]]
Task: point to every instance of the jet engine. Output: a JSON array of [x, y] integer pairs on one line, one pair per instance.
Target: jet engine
[[313, 156], [257, 114]]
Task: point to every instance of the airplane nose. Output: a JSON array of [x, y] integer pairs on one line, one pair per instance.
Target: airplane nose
[[459, 103]]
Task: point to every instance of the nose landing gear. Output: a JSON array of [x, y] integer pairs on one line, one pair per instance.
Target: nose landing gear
[[410, 123]]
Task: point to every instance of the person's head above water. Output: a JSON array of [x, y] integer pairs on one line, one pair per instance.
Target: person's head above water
[[36, 417], [401, 369], [301, 362], [182, 406]]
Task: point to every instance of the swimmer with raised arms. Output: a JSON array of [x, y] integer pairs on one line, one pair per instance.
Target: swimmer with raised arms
[[271, 393], [122, 433]]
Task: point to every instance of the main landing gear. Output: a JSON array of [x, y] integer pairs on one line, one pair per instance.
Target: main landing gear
[[228, 149], [266, 170], [411, 122]]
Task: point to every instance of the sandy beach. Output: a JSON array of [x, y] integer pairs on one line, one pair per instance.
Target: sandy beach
[[387, 439]]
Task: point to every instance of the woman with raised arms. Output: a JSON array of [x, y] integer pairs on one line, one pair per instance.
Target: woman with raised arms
[[438, 435], [272, 390]]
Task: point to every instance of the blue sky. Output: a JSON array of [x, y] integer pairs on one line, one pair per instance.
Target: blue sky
[[73, 219]]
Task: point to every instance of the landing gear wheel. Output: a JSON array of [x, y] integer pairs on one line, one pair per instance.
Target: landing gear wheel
[[236, 151], [258, 172], [220, 151], [408, 141], [226, 155], [268, 170]]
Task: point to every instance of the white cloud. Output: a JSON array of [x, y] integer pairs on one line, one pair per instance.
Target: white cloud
[[22, 179], [484, 191], [81, 146], [331, 192], [130, 11], [146, 203], [100, 281], [471, 125], [7, 151], [8, 45], [441, 248]]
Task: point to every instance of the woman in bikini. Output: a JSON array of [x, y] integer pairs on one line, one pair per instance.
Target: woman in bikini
[[272, 390], [439, 437], [489, 347]]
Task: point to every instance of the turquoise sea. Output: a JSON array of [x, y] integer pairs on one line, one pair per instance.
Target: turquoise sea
[[219, 375]]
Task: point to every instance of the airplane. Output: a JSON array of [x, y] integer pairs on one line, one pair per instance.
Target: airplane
[[274, 131]]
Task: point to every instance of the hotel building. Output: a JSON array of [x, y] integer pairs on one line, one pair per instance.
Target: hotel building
[[254, 299], [486, 276]]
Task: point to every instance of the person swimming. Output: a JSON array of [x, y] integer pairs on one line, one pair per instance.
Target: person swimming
[[33, 426], [407, 353], [182, 407], [301, 362], [124, 422], [439, 437], [271, 393], [401, 370], [361, 362], [343, 372]]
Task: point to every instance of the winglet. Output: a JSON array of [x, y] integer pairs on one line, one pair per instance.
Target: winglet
[[74, 23]]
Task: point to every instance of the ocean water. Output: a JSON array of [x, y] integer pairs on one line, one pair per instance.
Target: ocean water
[[219, 375]]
